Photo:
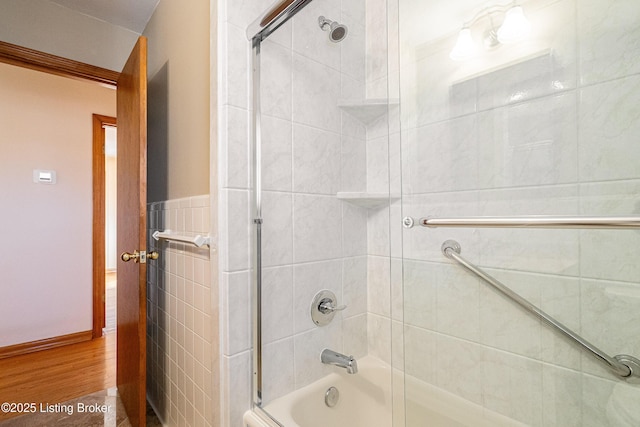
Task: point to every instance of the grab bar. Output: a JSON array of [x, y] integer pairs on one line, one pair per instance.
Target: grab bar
[[198, 240], [622, 365], [534, 222]]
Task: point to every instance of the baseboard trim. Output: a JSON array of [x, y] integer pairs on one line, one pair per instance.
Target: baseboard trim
[[45, 344]]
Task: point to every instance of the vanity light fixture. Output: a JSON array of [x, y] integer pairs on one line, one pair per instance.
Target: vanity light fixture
[[465, 47], [515, 27]]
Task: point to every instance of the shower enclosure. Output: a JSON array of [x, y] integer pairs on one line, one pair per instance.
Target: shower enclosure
[[318, 119], [463, 177]]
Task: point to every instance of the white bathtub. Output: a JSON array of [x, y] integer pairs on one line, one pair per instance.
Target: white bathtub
[[366, 401]]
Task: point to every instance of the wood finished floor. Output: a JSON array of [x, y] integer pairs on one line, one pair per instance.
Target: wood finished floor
[[83, 372], [60, 374]]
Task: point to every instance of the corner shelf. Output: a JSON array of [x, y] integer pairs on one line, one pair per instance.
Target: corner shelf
[[367, 200], [366, 110]]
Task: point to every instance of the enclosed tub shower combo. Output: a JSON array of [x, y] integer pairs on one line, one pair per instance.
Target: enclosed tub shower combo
[[445, 213]]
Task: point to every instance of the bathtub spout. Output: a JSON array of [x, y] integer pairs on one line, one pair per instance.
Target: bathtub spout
[[331, 357]]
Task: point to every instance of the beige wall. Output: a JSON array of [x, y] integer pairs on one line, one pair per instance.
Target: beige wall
[[183, 362], [46, 251], [178, 143], [50, 28]]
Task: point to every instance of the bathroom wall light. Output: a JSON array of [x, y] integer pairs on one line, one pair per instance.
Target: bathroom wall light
[[465, 47], [515, 27]]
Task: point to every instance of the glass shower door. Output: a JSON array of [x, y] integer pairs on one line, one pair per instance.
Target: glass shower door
[[321, 193], [538, 121]]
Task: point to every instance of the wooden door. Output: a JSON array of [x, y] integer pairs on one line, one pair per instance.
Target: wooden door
[[132, 233]]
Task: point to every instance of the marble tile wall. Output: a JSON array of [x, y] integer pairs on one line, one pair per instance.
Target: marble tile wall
[[179, 316], [544, 127], [234, 59], [311, 151]]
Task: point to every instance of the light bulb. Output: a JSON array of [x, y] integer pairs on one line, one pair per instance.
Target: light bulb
[[465, 47], [515, 26]]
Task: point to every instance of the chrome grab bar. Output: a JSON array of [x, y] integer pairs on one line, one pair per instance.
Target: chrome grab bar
[[535, 222], [622, 365]]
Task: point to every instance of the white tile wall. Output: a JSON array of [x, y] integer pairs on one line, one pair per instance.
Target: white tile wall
[[278, 154], [526, 136], [316, 160], [544, 127], [311, 151], [317, 228], [609, 40], [550, 135], [316, 89], [608, 127], [278, 289], [276, 80], [278, 230], [179, 311], [599, 255], [528, 144]]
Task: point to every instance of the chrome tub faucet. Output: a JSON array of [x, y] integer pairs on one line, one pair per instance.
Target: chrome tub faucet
[[330, 357]]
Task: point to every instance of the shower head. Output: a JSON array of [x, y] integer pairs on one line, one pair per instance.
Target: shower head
[[337, 32]]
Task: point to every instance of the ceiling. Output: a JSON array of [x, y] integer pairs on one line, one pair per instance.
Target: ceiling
[[134, 14], [130, 14]]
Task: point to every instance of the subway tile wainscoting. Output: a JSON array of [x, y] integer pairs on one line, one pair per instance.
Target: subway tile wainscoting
[[179, 308]]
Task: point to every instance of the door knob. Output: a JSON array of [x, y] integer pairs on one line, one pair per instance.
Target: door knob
[[140, 257], [126, 256]]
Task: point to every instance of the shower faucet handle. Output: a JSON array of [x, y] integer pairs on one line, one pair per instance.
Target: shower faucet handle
[[326, 306]]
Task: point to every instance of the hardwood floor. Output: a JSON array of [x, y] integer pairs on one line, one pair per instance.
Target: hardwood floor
[[57, 375], [110, 301]]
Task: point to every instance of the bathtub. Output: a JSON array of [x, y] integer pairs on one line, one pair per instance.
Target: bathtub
[[366, 401]]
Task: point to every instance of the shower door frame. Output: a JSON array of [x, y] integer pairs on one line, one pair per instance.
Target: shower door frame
[[268, 22]]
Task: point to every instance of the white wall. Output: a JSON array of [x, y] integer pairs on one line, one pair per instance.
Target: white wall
[[46, 258], [51, 28]]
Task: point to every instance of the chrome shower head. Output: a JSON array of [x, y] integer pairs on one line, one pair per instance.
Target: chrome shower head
[[337, 32]]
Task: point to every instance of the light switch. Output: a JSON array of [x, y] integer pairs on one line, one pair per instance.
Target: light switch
[[44, 176]]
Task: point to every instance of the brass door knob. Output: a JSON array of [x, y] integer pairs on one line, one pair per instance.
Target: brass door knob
[[126, 256], [139, 257]]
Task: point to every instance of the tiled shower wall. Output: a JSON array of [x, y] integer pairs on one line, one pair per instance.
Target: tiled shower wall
[[546, 127], [179, 309], [312, 150]]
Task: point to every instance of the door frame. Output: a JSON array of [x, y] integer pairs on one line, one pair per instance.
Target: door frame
[[51, 64], [99, 219]]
